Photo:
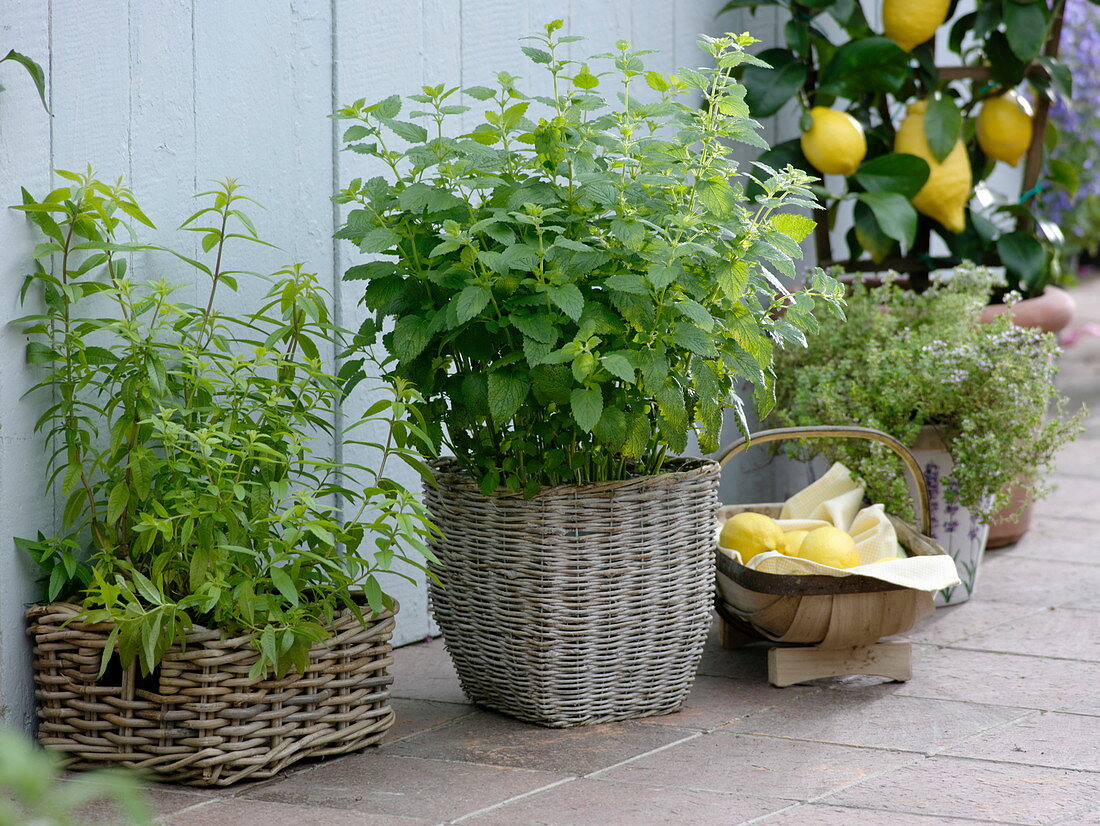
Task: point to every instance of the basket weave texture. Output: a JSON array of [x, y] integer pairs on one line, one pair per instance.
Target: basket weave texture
[[199, 719], [581, 604]]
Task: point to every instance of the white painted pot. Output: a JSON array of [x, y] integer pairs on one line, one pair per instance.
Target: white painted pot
[[954, 527]]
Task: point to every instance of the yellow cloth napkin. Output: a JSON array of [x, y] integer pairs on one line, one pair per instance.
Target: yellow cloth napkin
[[835, 499]]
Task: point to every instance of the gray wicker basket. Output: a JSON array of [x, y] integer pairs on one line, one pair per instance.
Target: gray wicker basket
[[581, 604], [200, 719]]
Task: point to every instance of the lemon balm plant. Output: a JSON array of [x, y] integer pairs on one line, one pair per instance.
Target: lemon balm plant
[[188, 444], [576, 282], [915, 143]]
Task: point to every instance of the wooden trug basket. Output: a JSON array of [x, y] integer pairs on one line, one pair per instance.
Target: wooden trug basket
[[836, 622]]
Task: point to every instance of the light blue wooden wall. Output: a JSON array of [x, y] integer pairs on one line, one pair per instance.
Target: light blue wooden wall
[[174, 93]]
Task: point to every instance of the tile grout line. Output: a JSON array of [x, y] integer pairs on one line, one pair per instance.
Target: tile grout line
[[503, 803], [593, 774]]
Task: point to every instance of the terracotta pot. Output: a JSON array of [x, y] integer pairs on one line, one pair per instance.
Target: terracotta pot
[[1052, 312]]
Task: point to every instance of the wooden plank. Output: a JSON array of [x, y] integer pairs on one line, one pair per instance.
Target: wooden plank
[[789, 666], [25, 132]]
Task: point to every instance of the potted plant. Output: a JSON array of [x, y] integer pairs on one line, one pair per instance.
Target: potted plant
[[575, 285], [970, 399], [213, 609]]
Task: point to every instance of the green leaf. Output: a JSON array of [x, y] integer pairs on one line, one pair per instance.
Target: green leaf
[[867, 65], [795, 227], [470, 302], [39, 353], [894, 214], [537, 55], [411, 132], [506, 394], [733, 279], [869, 233], [1023, 256], [619, 366], [480, 92], [117, 501], [38, 76], [628, 283], [900, 173], [942, 125], [551, 384], [537, 327], [410, 336], [1008, 69], [378, 239], [373, 269], [717, 195], [388, 108], [692, 338], [568, 298], [768, 89], [1025, 28], [284, 585], [587, 406]]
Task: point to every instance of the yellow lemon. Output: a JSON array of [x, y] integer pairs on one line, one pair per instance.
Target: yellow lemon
[[751, 534], [912, 22], [1004, 127], [792, 540], [946, 192], [829, 546], [834, 144]]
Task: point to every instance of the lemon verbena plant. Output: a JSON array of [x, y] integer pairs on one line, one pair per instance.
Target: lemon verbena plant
[[192, 446], [906, 360], [577, 281]]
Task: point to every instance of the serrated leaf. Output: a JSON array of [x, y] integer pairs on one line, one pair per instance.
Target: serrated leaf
[[587, 406], [568, 298], [470, 302], [795, 227], [378, 239], [630, 233], [537, 327], [692, 338], [506, 394], [410, 336], [733, 279], [619, 366], [628, 283]]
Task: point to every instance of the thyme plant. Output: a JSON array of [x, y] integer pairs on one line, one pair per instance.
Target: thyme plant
[[578, 281], [905, 360], [191, 446]]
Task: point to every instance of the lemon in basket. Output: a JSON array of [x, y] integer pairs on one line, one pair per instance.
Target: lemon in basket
[[829, 546], [750, 534], [792, 541]]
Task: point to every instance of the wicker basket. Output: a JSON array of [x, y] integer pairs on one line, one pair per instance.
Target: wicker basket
[[832, 612], [581, 604], [199, 719]]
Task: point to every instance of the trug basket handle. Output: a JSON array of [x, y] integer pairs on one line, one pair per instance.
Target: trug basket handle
[[842, 432]]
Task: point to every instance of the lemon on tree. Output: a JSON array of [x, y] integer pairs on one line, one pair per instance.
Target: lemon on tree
[[834, 143], [947, 191], [1004, 127], [750, 534], [912, 22], [829, 546]]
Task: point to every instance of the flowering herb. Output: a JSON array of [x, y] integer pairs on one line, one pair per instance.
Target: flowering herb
[[905, 360], [1075, 160]]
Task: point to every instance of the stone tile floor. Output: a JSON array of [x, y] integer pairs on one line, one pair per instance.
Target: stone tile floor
[[1000, 723]]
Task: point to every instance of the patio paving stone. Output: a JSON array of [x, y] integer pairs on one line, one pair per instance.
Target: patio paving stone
[[619, 804], [762, 766], [716, 701], [953, 787], [492, 739], [953, 623], [813, 814], [411, 716], [1059, 632], [424, 672], [1037, 582], [990, 679], [238, 811], [1062, 741], [1075, 498], [879, 719], [380, 783], [1065, 539]]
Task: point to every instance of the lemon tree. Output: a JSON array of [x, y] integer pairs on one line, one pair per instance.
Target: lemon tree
[[910, 144]]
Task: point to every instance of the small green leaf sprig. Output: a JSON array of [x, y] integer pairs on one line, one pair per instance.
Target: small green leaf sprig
[[905, 360], [191, 446], [577, 282]]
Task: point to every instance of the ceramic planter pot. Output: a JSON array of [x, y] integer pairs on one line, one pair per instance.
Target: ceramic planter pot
[[1052, 311], [954, 527]]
